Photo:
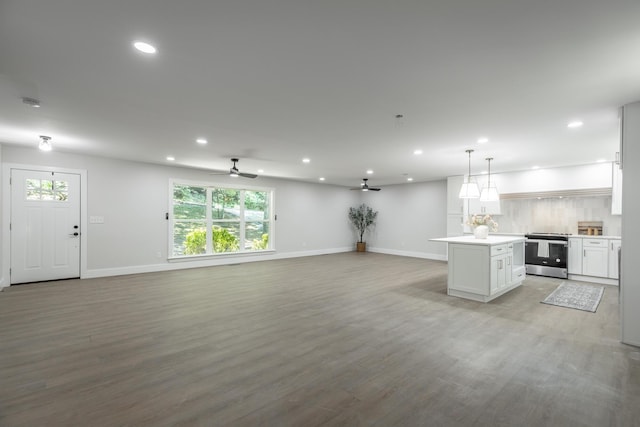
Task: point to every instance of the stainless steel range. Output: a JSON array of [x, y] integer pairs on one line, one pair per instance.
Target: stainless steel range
[[546, 254]]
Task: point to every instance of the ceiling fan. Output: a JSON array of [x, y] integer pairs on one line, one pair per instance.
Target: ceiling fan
[[365, 187], [234, 172]]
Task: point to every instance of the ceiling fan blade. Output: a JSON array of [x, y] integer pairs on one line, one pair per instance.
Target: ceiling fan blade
[[374, 189], [247, 175]]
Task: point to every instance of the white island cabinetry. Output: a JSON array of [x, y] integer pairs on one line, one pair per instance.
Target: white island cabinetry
[[484, 269]]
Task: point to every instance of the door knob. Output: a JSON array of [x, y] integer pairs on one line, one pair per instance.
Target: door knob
[[75, 234]]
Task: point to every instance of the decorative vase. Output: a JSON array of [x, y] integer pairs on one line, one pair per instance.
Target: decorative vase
[[361, 246], [481, 232]]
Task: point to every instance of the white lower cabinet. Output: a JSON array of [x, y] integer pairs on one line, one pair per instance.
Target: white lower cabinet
[[574, 257], [500, 273], [614, 246], [595, 257]]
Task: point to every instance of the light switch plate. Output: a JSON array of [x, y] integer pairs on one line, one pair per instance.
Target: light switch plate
[[96, 220]]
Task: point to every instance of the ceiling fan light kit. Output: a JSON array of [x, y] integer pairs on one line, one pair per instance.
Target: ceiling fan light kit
[[365, 187], [234, 172]]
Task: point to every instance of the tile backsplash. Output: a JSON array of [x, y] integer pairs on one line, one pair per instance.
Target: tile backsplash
[[557, 215]]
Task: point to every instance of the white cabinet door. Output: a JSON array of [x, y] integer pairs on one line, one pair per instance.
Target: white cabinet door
[[595, 258], [508, 270], [499, 272], [485, 208], [574, 261], [614, 245]]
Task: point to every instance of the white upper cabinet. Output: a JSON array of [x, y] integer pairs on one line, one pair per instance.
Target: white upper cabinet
[[476, 206], [583, 177]]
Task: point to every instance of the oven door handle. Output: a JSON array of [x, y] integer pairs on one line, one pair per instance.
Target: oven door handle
[[551, 242]]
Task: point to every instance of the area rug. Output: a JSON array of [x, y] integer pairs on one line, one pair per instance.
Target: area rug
[[580, 297]]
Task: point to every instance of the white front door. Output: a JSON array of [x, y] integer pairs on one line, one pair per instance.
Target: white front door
[[45, 226]]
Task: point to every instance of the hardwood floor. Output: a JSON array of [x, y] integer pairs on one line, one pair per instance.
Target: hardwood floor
[[336, 340]]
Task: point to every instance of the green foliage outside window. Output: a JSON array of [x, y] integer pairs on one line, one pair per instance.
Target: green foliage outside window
[[223, 241], [222, 212], [260, 244]]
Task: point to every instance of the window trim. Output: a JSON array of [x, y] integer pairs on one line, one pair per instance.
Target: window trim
[[232, 186]]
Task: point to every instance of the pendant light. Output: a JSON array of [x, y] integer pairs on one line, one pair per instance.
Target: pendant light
[[469, 189], [490, 192]]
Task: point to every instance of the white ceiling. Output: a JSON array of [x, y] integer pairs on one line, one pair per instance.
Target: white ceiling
[[274, 81]]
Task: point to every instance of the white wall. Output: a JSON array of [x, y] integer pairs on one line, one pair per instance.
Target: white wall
[[409, 215], [134, 197], [629, 283], [3, 280], [312, 218]]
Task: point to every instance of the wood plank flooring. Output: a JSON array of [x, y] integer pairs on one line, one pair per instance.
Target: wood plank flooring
[[336, 340]]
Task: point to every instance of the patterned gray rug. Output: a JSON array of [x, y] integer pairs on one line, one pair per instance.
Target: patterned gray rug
[[580, 297]]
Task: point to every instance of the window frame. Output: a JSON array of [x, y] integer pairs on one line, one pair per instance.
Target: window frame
[[210, 186]]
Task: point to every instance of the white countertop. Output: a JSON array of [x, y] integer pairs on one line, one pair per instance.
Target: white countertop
[[489, 241], [586, 236]]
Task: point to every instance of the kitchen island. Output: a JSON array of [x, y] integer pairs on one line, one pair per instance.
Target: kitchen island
[[484, 269]]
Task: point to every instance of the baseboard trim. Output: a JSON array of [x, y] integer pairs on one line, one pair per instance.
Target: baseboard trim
[[169, 266], [411, 254], [590, 279]]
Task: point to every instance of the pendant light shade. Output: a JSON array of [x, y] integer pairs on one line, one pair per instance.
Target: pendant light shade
[[469, 189], [490, 192]]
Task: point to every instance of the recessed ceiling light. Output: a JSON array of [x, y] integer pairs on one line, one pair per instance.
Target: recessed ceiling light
[[171, 158], [483, 140], [321, 178], [601, 160], [535, 167], [409, 179], [144, 47], [369, 172], [201, 141], [575, 124], [306, 160], [260, 170], [417, 152]]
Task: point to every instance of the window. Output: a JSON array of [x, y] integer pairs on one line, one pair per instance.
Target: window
[[211, 220], [46, 189]]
